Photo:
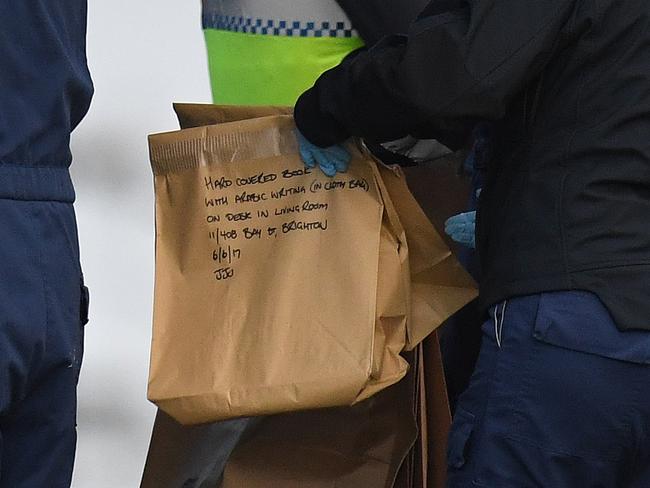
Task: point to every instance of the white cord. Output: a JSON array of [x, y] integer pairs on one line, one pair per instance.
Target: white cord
[[503, 317], [498, 327]]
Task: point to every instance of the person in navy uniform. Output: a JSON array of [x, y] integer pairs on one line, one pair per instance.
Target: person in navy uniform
[[45, 90]]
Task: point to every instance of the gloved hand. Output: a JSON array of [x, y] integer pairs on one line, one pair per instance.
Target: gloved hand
[[331, 159], [461, 228]]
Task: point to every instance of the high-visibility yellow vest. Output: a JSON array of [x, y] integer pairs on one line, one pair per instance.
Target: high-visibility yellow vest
[[267, 52]]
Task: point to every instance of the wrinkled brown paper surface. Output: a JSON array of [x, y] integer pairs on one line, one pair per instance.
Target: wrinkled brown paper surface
[[280, 289], [316, 316]]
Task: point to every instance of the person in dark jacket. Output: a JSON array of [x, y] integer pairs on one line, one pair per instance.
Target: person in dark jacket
[[45, 90], [559, 396]]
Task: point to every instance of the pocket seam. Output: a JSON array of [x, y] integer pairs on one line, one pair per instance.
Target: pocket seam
[[463, 429]]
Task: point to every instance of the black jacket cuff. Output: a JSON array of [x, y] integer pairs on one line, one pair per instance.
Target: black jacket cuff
[[319, 128]]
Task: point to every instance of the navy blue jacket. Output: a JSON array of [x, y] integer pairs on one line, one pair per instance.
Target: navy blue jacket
[[45, 90], [567, 82]]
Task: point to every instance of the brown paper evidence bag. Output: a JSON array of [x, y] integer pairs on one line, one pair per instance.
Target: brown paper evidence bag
[[277, 288], [417, 285]]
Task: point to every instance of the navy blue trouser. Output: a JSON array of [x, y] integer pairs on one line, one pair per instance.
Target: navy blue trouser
[[42, 302], [560, 398]]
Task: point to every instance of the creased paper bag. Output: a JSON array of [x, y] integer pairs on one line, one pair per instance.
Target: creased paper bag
[[440, 286], [350, 447], [427, 254], [200, 114], [374, 444], [392, 295], [267, 277], [368, 444]]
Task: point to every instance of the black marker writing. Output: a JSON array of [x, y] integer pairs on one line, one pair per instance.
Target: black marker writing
[[259, 179], [295, 225], [220, 184]]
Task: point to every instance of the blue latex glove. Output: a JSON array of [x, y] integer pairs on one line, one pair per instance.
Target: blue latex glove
[[461, 228], [331, 159]]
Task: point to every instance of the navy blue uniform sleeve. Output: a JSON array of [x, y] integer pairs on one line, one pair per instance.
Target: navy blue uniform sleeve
[[455, 67]]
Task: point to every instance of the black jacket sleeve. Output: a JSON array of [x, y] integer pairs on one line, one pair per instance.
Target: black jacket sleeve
[[374, 19], [455, 67]]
